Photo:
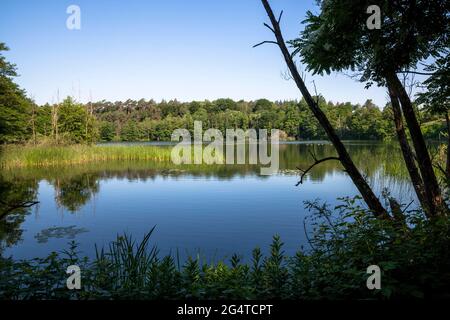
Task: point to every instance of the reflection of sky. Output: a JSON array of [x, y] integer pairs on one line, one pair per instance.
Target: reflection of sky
[[219, 217], [219, 210]]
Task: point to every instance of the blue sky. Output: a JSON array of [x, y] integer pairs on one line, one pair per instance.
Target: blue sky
[[188, 50]]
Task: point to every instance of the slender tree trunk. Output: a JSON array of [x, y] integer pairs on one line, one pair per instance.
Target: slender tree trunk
[[447, 166], [368, 195], [33, 123], [408, 155], [55, 122], [432, 190]]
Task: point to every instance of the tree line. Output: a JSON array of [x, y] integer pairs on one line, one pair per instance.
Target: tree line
[[68, 121], [146, 120]]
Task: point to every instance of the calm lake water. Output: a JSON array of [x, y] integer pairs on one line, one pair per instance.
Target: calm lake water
[[213, 210]]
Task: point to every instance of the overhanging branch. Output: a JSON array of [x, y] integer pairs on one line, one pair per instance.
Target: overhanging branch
[[264, 42], [11, 208], [316, 162]]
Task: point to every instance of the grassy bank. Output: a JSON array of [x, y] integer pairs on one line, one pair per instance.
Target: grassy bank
[[43, 156]]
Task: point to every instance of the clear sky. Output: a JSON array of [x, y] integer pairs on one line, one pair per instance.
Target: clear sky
[[188, 50]]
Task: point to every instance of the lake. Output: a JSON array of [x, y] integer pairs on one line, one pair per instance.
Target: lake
[[214, 210]]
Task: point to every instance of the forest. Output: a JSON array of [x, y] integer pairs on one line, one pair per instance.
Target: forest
[[69, 121], [147, 120], [23, 121]]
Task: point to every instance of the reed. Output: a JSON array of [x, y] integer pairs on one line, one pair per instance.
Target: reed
[[44, 156]]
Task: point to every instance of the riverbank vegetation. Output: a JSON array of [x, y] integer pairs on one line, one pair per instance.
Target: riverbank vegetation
[[414, 259], [13, 156]]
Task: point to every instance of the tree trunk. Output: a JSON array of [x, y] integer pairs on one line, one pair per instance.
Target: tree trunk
[[432, 190], [368, 195], [447, 166], [33, 122], [408, 155]]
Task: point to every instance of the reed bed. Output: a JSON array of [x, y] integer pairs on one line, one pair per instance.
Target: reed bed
[[44, 156]]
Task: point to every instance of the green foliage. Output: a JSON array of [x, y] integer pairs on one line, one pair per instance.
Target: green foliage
[[225, 104], [15, 107], [20, 117], [130, 131], [14, 194], [75, 192], [337, 38], [42, 156], [436, 129], [367, 122], [43, 121], [75, 125], [413, 257], [292, 117], [436, 96], [263, 104], [107, 131]]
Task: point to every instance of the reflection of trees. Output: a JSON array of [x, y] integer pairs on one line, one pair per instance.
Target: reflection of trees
[[74, 192], [69, 232], [370, 158], [16, 196], [76, 185]]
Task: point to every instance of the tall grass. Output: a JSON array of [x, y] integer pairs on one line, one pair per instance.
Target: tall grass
[[42, 156], [129, 261]]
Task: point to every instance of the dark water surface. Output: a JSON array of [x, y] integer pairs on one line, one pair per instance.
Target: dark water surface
[[216, 210]]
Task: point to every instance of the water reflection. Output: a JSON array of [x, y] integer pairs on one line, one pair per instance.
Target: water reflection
[[72, 192], [16, 197], [75, 186], [69, 232]]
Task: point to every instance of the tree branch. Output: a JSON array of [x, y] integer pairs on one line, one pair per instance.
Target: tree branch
[[264, 42], [269, 27], [315, 91], [418, 72], [440, 168], [279, 17], [13, 207], [316, 162]]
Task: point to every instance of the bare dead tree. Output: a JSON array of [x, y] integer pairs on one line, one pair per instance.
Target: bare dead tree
[[55, 109], [367, 193], [33, 119]]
